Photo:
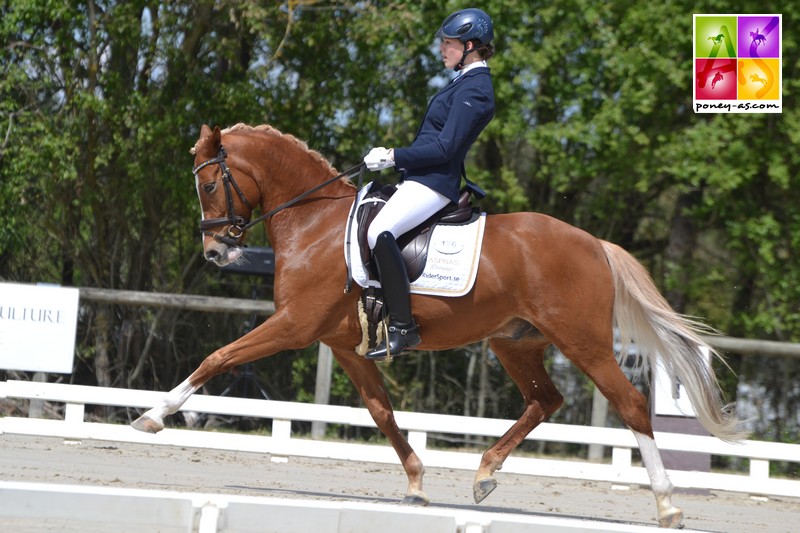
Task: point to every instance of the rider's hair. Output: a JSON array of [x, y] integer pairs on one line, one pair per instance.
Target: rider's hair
[[486, 51]]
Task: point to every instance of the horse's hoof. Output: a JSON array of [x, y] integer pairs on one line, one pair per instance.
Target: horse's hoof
[[147, 424], [481, 489], [672, 520], [417, 499]]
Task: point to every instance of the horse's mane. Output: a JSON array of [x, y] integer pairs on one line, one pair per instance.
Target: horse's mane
[[267, 130]]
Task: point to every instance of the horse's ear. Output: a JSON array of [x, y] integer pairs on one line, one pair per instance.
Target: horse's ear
[[205, 133], [217, 136]]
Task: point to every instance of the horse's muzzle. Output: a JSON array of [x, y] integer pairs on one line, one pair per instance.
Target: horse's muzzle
[[221, 254]]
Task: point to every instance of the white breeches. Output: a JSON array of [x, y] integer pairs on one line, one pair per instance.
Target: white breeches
[[409, 206]]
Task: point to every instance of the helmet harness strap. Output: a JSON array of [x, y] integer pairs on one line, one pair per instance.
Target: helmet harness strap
[[467, 51]]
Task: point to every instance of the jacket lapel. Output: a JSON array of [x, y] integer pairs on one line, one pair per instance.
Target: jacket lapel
[[449, 87]]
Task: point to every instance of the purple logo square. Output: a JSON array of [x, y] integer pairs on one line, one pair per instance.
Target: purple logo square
[[759, 36]]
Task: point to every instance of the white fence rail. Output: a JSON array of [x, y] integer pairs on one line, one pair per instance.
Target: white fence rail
[[133, 511], [281, 443]]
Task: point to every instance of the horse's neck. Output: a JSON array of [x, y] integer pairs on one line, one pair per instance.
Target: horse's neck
[[287, 169], [315, 220]]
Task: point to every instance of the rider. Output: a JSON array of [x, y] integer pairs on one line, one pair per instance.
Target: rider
[[433, 165]]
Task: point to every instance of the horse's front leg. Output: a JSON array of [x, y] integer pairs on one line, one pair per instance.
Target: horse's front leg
[[368, 381], [274, 335], [152, 421]]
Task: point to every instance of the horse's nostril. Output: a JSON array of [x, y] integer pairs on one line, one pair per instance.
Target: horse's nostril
[[212, 255]]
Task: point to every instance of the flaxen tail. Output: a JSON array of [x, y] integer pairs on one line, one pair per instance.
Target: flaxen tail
[[645, 319]]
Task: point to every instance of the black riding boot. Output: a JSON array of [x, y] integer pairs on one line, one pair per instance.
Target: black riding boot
[[402, 331]]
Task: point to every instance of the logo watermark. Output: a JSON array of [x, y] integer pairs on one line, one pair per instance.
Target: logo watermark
[[737, 63]]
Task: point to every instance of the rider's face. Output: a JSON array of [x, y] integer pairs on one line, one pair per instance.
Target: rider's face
[[451, 51]]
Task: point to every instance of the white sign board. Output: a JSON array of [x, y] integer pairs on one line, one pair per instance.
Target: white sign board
[[671, 398], [37, 327]]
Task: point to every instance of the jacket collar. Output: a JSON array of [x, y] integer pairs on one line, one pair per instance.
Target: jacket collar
[[468, 74], [471, 66]]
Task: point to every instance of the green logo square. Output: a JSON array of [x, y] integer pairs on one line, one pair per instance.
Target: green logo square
[[715, 36]]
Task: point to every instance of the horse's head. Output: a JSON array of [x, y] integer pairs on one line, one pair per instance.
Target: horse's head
[[227, 196]]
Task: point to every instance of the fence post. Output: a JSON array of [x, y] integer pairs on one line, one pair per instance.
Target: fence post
[[599, 417], [36, 407], [673, 413], [322, 390]]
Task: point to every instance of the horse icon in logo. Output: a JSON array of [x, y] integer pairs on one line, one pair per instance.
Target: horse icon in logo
[[758, 79], [717, 77], [758, 38]]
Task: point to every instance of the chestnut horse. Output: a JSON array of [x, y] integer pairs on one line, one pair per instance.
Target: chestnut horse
[[540, 282]]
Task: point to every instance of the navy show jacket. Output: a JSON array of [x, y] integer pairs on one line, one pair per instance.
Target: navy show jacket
[[454, 119]]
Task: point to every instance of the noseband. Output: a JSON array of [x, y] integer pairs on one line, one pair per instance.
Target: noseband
[[238, 225]]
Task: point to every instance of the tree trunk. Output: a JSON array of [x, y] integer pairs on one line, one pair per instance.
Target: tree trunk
[[430, 403], [473, 357], [678, 255], [483, 379], [102, 345]]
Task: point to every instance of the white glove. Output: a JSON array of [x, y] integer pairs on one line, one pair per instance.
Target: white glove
[[379, 158]]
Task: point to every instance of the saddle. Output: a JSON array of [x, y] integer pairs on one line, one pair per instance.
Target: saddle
[[415, 243], [413, 246]]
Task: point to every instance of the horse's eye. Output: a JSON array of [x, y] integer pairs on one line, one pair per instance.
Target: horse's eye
[[209, 187]]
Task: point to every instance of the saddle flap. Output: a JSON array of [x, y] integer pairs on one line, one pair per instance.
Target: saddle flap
[[373, 202]]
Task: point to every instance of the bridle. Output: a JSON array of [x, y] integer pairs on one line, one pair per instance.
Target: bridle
[[237, 224]]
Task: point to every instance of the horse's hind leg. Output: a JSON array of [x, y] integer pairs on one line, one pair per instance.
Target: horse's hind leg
[[632, 408], [368, 381], [668, 515], [524, 363]]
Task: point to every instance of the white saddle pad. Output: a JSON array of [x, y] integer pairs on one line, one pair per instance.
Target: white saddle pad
[[453, 256]]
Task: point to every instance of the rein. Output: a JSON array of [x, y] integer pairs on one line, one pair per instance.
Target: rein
[[238, 225]]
